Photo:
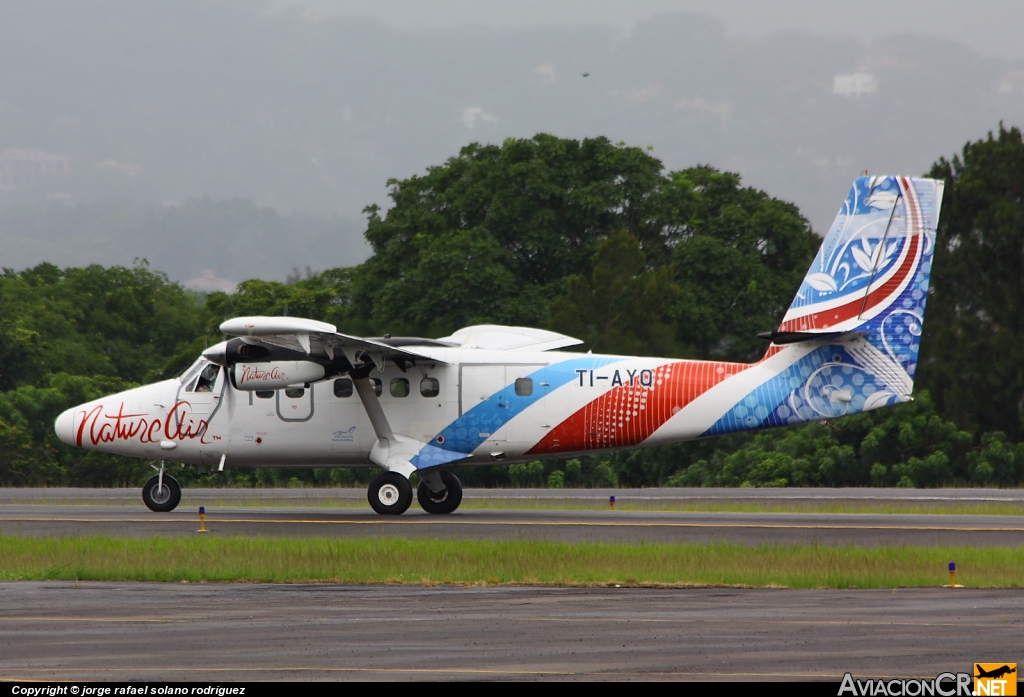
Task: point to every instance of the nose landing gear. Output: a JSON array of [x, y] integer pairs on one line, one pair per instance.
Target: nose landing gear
[[161, 493]]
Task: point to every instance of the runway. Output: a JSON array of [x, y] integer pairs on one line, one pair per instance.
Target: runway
[[227, 632], [281, 513], [356, 496]]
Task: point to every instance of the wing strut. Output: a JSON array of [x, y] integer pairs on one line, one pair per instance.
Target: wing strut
[[392, 451], [371, 404]]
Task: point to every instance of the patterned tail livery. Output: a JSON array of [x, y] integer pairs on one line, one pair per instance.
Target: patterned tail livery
[[854, 327]]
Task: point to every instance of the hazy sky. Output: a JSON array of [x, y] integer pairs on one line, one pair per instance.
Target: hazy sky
[[990, 27], [309, 107]]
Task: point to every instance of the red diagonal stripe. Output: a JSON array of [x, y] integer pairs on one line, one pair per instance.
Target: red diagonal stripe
[[628, 415]]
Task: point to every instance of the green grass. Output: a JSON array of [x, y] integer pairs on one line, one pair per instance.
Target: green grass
[[470, 562]]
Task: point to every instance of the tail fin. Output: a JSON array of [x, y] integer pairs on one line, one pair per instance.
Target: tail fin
[[871, 274], [854, 328]]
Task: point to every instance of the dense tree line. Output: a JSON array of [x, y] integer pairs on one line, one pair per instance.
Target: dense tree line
[[596, 240]]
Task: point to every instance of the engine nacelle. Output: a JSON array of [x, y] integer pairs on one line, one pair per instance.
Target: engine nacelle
[[275, 375]]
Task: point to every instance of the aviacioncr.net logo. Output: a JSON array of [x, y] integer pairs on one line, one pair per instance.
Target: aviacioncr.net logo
[[995, 679], [943, 685]]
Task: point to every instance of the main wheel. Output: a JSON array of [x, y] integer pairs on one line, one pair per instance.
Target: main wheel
[[447, 501], [390, 493], [163, 500]]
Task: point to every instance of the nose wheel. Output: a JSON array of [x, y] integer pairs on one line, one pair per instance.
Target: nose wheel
[[390, 494], [161, 497]]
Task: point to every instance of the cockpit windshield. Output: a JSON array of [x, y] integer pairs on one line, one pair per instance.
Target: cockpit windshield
[[201, 377], [189, 376]]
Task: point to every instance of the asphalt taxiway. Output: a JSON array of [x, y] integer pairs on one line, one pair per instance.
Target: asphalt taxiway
[[250, 513], [570, 526], [299, 496], [225, 632]]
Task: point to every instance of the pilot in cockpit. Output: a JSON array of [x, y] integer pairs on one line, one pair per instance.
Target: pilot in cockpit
[[207, 378]]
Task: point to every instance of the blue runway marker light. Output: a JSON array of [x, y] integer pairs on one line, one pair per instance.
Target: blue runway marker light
[[202, 519], [952, 574], [611, 501], [202, 510], [952, 567]]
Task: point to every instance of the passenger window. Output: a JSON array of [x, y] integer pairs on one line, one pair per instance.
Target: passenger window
[[294, 392], [524, 387], [377, 386], [399, 387], [430, 387], [207, 378], [343, 388], [265, 394]]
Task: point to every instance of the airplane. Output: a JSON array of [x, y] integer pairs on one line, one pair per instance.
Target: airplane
[[294, 392], [994, 673]]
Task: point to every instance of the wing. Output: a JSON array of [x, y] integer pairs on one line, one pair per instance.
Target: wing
[[322, 340], [500, 338]]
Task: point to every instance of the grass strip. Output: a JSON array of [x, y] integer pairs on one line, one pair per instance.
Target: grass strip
[[484, 562]]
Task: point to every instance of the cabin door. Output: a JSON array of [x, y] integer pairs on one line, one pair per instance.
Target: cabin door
[[477, 384]]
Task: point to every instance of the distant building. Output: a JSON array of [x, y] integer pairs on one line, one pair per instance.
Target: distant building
[[115, 166], [210, 283], [23, 168], [854, 85]]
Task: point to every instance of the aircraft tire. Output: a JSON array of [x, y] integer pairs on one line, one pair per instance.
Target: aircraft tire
[[390, 494], [161, 502], [450, 499]]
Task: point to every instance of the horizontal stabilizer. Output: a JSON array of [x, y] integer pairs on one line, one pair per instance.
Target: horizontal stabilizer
[[783, 338]]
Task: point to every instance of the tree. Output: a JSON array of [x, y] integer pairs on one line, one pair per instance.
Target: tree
[[973, 351], [530, 212], [498, 232], [620, 309], [739, 256], [91, 321]]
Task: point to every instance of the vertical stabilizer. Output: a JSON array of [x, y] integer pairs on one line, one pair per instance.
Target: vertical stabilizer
[[850, 340], [871, 274]]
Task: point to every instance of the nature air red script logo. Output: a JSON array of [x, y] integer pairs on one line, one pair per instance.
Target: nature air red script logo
[[253, 372], [101, 426]]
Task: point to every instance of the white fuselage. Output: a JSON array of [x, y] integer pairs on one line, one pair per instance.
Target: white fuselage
[[326, 424]]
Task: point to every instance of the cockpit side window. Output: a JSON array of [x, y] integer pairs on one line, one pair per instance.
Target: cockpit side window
[[207, 378]]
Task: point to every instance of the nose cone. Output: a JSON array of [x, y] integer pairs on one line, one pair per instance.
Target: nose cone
[[217, 353], [64, 426]]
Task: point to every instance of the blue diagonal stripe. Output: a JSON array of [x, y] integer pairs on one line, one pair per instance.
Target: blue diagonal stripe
[[460, 438]]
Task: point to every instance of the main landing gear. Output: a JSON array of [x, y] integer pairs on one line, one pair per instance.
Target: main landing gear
[[390, 493], [444, 501], [161, 493]]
